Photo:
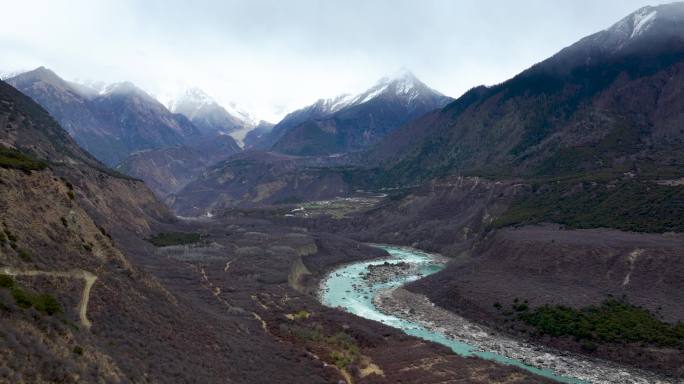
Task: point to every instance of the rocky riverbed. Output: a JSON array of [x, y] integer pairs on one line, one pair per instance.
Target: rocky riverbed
[[386, 272], [418, 309]]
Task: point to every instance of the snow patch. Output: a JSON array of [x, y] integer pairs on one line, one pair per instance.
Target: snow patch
[[642, 22], [194, 97]]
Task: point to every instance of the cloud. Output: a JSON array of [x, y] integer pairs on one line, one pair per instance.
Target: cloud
[[272, 56]]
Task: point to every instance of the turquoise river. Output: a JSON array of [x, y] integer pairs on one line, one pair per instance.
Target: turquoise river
[[346, 289]]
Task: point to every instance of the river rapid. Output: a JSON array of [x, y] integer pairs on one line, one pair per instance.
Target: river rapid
[[372, 289]]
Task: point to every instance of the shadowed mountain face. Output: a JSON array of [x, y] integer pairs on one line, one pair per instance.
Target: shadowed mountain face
[[167, 170], [255, 178], [351, 123], [111, 124], [611, 102], [253, 137], [122, 125], [605, 107]]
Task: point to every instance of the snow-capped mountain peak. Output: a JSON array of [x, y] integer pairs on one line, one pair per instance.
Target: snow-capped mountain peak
[[642, 28], [210, 116], [404, 85], [193, 98], [125, 87], [334, 104], [634, 24], [241, 114]]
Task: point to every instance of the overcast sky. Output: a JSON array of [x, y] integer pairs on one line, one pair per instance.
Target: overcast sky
[[272, 56]]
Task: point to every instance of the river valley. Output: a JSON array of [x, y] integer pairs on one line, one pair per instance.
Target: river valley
[[372, 289]]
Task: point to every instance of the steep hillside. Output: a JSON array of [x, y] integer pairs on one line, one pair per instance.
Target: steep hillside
[[594, 130], [318, 110], [519, 276], [259, 178], [609, 103], [110, 124], [253, 137]]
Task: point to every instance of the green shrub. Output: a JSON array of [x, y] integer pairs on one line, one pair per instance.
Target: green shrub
[[42, 302], [11, 158], [46, 303], [627, 205], [22, 298], [24, 255], [613, 321], [78, 350], [10, 236], [6, 281], [345, 350]]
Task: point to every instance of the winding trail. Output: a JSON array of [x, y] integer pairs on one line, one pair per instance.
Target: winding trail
[[87, 277]]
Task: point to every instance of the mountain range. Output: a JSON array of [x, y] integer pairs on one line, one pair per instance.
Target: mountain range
[[91, 290], [169, 148], [609, 103], [550, 206], [123, 126], [606, 106], [110, 124], [353, 122]]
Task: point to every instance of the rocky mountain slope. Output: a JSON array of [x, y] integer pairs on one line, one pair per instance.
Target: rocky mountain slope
[[211, 118], [588, 139], [253, 137], [348, 123], [110, 124], [167, 170], [122, 125], [609, 103], [254, 178], [312, 167]]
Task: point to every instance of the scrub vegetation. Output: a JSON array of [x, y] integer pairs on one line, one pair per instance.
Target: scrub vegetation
[[614, 321]]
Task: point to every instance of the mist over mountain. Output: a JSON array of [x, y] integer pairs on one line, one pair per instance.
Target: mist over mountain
[[353, 122], [607, 102], [212, 118], [111, 123]]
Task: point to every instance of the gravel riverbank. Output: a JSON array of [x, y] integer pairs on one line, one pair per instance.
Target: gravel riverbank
[[418, 309]]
